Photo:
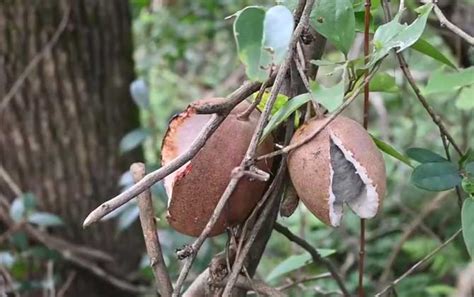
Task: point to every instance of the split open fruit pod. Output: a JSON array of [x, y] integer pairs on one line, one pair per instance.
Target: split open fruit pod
[[195, 189], [340, 165]]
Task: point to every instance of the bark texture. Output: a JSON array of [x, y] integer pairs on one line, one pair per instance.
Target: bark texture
[[59, 135]]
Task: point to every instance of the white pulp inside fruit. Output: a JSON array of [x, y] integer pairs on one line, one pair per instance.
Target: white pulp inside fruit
[[354, 187], [183, 131]]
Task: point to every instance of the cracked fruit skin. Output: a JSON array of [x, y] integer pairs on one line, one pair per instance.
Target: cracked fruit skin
[[340, 165], [195, 189]]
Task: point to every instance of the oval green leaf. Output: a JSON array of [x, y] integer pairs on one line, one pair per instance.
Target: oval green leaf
[[391, 151], [335, 20], [438, 176], [278, 28], [284, 112], [423, 155]]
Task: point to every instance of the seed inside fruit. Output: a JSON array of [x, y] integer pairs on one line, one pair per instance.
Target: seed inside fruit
[[349, 184]]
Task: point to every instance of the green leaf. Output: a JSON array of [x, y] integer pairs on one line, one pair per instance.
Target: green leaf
[[439, 176], [334, 19], [391, 151], [395, 35], [468, 185], [278, 28], [262, 38], [284, 112], [133, 139], [332, 97], [248, 32], [45, 219], [469, 168], [467, 218], [279, 102], [426, 48], [442, 81], [424, 155], [466, 158], [383, 82], [465, 99], [295, 262], [140, 93]]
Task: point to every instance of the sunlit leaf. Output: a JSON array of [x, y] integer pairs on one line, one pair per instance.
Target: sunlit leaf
[[278, 28], [439, 176], [334, 19], [467, 218], [295, 262], [426, 48], [391, 151], [394, 35], [279, 102], [423, 155], [284, 112], [262, 38], [442, 81]]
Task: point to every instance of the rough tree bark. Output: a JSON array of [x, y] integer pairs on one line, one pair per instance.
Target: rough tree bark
[[59, 134]]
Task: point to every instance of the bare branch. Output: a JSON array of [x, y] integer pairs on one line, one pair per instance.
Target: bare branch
[[450, 26], [419, 263], [314, 255], [152, 242]]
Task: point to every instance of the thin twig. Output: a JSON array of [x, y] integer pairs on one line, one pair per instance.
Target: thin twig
[[270, 195], [150, 234], [409, 230], [246, 113], [328, 120], [419, 263], [450, 26], [254, 285], [317, 258], [304, 279], [36, 59]]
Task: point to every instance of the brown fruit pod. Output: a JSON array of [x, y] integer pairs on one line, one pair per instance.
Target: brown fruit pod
[[195, 189], [340, 165]]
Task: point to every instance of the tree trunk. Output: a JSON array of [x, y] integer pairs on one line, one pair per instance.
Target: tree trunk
[[60, 132]]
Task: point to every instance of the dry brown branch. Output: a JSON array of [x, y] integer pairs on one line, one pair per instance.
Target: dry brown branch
[[36, 59], [446, 23], [418, 264], [314, 255], [152, 242]]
